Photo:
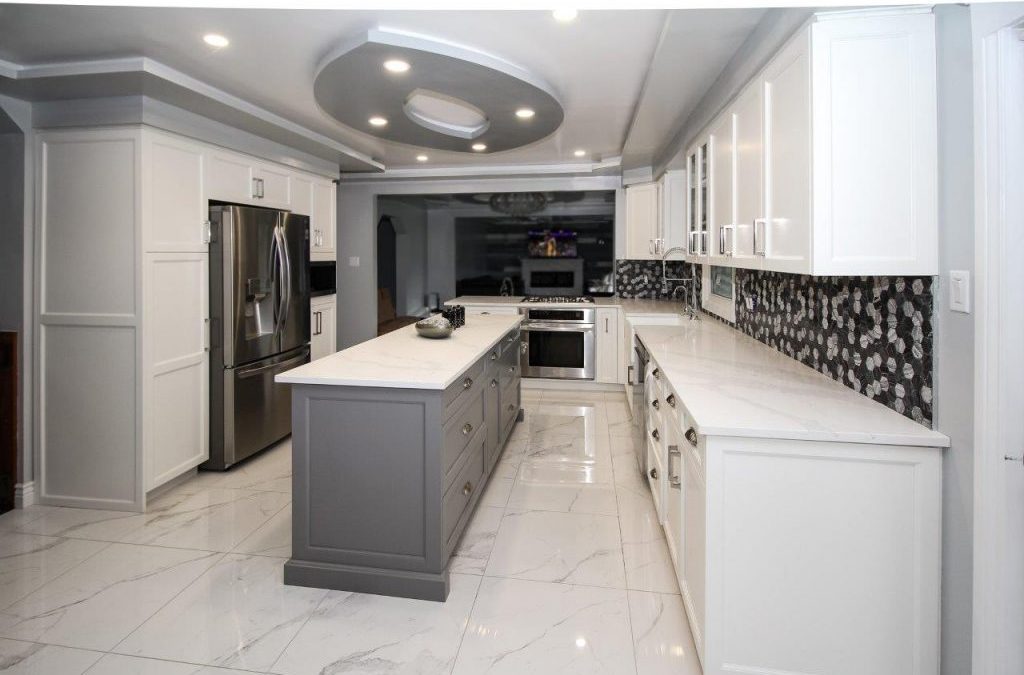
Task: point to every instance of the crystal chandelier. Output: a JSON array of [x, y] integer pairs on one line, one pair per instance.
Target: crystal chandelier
[[518, 203]]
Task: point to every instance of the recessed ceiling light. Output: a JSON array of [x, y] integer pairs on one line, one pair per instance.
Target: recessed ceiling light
[[396, 66], [421, 158], [216, 40], [580, 153], [525, 113], [564, 15], [378, 121], [479, 147]]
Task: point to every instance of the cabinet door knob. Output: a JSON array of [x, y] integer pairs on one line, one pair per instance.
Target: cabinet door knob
[[467, 488], [655, 404], [523, 348], [655, 435], [511, 407], [691, 436], [511, 369], [494, 383], [654, 473], [467, 383], [657, 373], [671, 400], [494, 356], [466, 429]]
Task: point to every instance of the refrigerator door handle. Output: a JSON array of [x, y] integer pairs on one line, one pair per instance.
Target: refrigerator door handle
[[279, 283], [286, 275]]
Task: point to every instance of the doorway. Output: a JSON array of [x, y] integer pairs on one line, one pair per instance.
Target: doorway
[[999, 362]]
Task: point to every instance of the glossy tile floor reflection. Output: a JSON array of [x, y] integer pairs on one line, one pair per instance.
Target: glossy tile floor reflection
[[563, 569]]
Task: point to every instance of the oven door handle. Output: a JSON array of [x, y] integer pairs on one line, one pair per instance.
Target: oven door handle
[[574, 328]]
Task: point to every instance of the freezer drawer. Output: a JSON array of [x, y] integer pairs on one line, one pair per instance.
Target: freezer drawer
[[257, 410]]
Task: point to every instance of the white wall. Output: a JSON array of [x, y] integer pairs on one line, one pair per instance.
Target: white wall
[[954, 332], [357, 236], [410, 222]]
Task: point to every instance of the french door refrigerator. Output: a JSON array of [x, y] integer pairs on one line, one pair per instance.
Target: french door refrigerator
[[259, 326]]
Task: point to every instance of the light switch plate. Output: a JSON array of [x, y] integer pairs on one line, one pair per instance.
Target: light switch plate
[[353, 261], [960, 291]]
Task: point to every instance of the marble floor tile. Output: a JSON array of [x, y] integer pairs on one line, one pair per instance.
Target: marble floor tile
[[17, 519], [521, 627], [367, 634], [572, 548], [273, 538], [644, 549], [570, 489], [27, 561], [477, 541], [239, 614], [215, 519], [118, 664], [661, 635], [497, 492], [68, 522], [32, 658], [270, 470], [97, 603]]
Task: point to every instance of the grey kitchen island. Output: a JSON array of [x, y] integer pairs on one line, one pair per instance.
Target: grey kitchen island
[[393, 441]]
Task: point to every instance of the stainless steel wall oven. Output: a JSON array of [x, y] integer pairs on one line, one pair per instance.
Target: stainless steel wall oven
[[557, 343]]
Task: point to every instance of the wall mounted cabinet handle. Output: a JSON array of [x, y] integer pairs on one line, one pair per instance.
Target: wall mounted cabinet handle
[[606, 324], [691, 436], [467, 488], [467, 383], [762, 223], [671, 400], [255, 188], [467, 428], [721, 240], [650, 246]]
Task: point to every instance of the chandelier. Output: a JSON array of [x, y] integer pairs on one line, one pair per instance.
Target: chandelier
[[518, 203]]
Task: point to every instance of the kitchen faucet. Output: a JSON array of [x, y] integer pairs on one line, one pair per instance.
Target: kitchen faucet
[[690, 307]]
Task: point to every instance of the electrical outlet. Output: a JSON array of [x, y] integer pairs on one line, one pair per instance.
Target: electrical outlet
[[353, 261], [646, 279], [751, 303]]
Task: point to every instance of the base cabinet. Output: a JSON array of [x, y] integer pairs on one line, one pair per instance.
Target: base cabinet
[[323, 326], [607, 347]]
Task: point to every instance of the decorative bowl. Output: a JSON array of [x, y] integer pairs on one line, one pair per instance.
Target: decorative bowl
[[435, 327]]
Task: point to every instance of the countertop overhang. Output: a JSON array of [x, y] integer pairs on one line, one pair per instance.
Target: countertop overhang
[[733, 385], [629, 306], [404, 360]]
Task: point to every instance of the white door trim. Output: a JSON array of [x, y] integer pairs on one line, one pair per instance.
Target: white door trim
[[997, 171]]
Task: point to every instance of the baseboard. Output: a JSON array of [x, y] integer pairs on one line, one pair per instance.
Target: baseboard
[[24, 494]]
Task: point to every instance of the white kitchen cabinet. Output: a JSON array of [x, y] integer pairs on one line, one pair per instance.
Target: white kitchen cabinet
[[230, 178], [692, 578], [826, 162], [672, 221], [302, 197], [607, 344], [323, 326], [323, 219], [643, 213], [273, 184]]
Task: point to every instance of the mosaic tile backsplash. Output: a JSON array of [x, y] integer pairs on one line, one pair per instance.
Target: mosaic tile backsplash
[[873, 334]]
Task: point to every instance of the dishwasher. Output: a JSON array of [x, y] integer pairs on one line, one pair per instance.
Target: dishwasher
[[639, 402]]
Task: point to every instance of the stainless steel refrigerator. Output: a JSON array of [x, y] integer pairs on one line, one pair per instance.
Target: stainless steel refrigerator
[[259, 316]]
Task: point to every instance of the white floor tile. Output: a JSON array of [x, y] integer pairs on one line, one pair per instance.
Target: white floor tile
[[15, 520], [661, 635], [270, 470], [237, 615], [99, 602], [27, 561], [31, 658], [572, 548], [644, 549], [530, 627], [570, 489], [497, 492], [273, 538], [477, 541], [117, 664], [360, 633]]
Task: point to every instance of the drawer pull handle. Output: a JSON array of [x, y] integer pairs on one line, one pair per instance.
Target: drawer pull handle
[[674, 481], [494, 356], [671, 400], [691, 436], [511, 407], [467, 383], [654, 473], [655, 435], [655, 404], [494, 383], [467, 488], [657, 373], [467, 429], [511, 369]]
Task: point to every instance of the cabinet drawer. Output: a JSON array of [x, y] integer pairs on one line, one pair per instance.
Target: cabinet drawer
[[507, 373], [459, 430], [510, 345], [466, 387], [509, 407], [468, 481]]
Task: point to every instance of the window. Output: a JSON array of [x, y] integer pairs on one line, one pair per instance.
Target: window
[[718, 291]]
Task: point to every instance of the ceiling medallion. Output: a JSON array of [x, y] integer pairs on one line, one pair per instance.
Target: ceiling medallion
[[518, 203]]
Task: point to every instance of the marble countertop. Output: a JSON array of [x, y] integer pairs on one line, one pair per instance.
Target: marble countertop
[[404, 360], [628, 305], [732, 385]]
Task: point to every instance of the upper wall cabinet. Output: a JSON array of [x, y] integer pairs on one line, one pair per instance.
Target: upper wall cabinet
[[831, 153], [655, 216], [322, 221]]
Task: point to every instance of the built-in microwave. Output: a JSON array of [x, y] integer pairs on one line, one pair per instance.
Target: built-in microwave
[[323, 278]]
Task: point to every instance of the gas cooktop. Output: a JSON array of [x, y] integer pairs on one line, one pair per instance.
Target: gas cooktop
[[561, 299]]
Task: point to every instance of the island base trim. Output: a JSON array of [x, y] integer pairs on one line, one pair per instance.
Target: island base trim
[[374, 580]]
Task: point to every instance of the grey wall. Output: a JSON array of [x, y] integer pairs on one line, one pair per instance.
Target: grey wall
[[410, 222], [954, 332], [357, 240]]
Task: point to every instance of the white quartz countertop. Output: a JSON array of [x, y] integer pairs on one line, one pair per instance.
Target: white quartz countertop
[[404, 360], [732, 385], [627, 305]]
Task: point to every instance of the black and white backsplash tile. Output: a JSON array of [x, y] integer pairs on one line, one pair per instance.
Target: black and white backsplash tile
[[642, 278], [873, 334]]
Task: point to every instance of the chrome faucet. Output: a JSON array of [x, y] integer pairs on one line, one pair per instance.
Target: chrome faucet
[[689, 307]]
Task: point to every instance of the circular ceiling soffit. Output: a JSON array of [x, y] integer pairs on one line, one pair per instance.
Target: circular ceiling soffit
[[450, 98]]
